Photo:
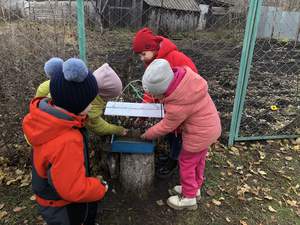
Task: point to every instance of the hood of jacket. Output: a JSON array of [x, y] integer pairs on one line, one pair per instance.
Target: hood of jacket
[[44, 122], [191, 88], [166, 46]]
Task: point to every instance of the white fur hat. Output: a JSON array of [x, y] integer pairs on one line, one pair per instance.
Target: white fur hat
[[157, 77]]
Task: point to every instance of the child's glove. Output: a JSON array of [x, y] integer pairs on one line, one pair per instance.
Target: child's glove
[[105, 185], [124, 132], [103, 182], [143, 136]]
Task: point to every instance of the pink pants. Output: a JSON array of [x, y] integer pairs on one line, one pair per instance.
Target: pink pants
[[191, 169]]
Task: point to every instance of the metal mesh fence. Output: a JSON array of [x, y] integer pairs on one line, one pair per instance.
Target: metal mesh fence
[[272, 101], [211, 32]]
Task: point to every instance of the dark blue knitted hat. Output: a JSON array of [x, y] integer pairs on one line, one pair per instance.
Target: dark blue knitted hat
[[73, 88]]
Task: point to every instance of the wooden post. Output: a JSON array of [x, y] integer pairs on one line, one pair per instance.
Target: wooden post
[[137, 173]]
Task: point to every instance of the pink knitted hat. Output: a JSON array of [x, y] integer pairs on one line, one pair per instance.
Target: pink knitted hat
[[109, 83]]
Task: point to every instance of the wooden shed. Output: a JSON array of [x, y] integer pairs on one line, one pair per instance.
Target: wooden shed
[[170, 15]]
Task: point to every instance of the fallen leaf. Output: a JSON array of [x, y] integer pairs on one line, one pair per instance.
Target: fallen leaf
[[240, 168], [160, 202], [292, 203], [298, 212], [288, 158], [1, 206], [296, 147], [221, 188], [258, 162], [287, 177], [210, 192], [40, 218], [11, 182], [19, 172], [234, 151], [271, 209], [19, 209], [242, 190], [268, 197], [24, 184], [216, 202], [243, 222], [231, 165], [3, 214], [262, 155], [261, 172]]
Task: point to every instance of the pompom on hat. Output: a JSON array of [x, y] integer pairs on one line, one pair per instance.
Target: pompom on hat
[[145, 40], [73, 87], [109, 83], [157, 77], [53, 66]]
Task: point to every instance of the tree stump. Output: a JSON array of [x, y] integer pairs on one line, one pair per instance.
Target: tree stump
[[137, 173]]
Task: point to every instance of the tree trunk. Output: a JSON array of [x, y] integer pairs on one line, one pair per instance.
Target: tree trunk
[[137, 173]]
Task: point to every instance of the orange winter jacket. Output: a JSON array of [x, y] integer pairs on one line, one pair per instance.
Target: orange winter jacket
[[191, 108], [60, 170]]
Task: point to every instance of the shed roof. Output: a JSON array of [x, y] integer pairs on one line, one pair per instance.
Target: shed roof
[[184, 5]]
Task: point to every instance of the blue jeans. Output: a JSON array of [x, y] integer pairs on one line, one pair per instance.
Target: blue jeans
[[175, 142]]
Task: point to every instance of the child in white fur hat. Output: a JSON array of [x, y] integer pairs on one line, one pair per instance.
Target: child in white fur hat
[[109, 86], [189, 106]]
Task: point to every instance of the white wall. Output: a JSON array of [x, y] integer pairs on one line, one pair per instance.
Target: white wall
[[278, 24]]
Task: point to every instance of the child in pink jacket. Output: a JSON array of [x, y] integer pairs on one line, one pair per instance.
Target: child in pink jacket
[[188, 105]]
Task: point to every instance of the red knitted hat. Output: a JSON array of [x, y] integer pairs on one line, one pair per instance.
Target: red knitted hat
[[145, 40]]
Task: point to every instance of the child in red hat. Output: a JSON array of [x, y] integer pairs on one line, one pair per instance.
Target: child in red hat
[[150, 47]]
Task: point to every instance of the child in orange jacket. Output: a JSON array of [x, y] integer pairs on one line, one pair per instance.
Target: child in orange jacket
[[187, 104], [151, 47], [65, 191]]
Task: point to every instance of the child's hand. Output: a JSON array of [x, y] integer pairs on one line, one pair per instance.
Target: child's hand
[[105, 185], [143, 136], [103, 182], [138, 122], [124, 132]]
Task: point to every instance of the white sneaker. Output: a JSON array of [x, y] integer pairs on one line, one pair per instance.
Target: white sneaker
[[177, 190], [180, 203]]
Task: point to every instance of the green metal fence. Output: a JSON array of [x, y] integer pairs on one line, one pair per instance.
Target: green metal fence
[[250, 39], [252, 70]]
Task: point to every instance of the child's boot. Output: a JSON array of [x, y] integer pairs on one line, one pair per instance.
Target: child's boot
[[181, 202], [177, 190]]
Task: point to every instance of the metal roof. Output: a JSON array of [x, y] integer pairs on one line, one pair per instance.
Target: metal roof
[[184, 5]]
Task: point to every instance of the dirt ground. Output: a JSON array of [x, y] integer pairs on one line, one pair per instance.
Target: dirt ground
[[253, 183]]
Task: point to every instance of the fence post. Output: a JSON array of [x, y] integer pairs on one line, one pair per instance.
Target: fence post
[[245, 64], [81, 29]]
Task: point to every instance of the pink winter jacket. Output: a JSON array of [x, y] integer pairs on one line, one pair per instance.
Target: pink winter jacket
[[191, 108]]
